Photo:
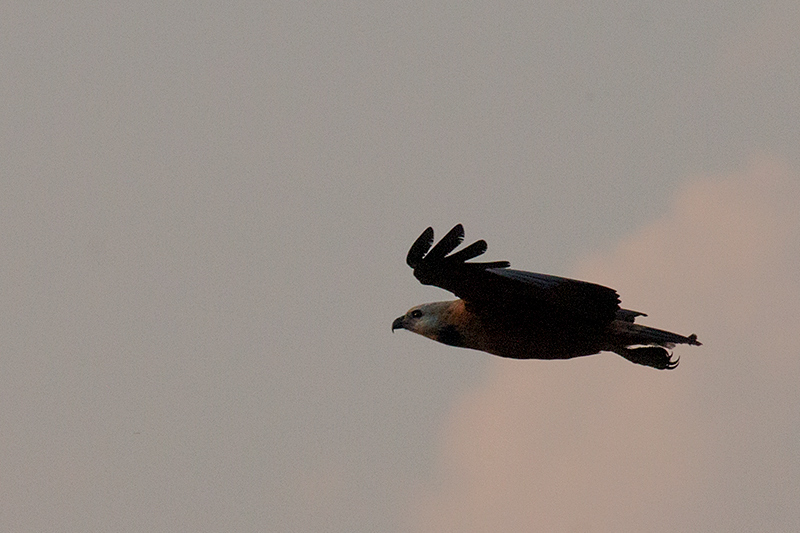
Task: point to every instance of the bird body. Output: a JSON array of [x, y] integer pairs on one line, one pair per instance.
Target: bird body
[[524, 315]]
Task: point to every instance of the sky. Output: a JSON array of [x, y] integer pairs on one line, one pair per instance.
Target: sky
[[205, 212]]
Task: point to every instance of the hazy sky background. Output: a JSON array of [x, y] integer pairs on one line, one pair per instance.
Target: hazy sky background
[[205, 212]]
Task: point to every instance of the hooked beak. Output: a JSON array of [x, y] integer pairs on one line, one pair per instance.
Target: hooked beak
[[398, 323]]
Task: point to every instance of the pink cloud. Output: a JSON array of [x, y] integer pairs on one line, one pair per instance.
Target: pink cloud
[[599, 444]]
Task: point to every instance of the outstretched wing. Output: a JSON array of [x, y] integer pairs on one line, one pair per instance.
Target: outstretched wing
[[494, 286]]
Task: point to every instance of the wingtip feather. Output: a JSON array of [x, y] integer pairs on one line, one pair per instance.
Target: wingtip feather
[[447, 244], [473, 250], [420, 248]]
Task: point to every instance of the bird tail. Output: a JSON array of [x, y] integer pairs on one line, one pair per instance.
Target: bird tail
[[633, 334], [652, 344]]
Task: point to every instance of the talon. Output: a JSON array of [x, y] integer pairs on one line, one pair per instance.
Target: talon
[[671, 364]]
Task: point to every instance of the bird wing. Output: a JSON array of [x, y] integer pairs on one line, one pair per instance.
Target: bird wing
[[494, 286]]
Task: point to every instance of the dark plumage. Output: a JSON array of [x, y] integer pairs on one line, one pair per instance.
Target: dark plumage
[[523, 315]]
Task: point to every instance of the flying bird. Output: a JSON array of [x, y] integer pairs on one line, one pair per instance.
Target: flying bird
[[523, 315]]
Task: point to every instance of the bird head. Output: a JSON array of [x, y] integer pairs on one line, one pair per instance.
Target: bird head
[[428, 320]]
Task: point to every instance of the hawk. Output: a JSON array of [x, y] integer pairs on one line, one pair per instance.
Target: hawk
[[523, 315]]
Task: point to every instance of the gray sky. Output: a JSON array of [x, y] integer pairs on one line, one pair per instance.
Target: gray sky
[[205, 212]]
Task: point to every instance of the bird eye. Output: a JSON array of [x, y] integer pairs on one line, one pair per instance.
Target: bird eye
[[416, 313]]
